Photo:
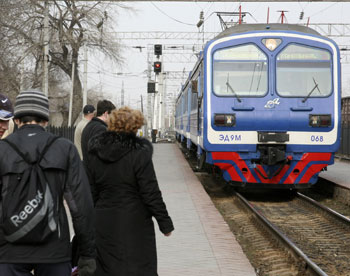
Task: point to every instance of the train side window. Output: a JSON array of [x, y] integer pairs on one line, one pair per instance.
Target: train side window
[[301, 69], [186, 101], [240, 71], [194, 101]]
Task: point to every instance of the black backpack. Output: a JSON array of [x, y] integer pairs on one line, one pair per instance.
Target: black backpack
[[28, 208]]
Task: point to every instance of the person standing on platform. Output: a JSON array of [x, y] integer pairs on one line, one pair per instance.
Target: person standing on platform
[[6, 115], [53, 161], [11, 128], [96, 126], [126, 197], [88, 112]]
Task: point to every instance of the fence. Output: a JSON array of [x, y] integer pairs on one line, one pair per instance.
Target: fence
[[344, 150], [66, 132]]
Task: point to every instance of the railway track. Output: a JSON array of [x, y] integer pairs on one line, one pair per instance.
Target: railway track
[[315, 233], [284, 234]]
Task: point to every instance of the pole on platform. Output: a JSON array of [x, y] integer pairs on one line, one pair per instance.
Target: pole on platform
[[141, 104], [163, 125], [160, 103], [85, 76], [71, 95], [149, 124], [122, 95], [155, 106], [46, 50]]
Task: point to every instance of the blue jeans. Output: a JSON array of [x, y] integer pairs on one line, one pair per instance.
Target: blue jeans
[[59, 269]]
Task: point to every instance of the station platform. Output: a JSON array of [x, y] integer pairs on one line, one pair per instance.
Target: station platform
[[202, 243], [338, 173]]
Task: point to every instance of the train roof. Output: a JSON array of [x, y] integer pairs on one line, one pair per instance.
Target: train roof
[[243, 28]]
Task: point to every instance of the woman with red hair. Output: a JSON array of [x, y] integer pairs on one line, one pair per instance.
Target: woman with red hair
[[126, 196]]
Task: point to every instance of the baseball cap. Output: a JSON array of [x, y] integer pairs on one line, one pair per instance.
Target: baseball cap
[[88, 109], [6, 108]]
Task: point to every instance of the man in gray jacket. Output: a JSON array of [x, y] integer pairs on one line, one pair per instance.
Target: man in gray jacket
[[64, 172], [88, 112]]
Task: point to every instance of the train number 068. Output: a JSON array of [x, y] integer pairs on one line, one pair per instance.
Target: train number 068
[[316, 138]]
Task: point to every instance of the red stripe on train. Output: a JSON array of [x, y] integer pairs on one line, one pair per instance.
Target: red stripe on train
[[230, 170], [305, 160], [291, 178], [241, 164]]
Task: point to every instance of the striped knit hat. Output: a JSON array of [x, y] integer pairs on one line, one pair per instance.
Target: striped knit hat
[[32, 103]]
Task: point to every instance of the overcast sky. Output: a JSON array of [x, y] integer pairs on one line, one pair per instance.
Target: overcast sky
[[183, 17]]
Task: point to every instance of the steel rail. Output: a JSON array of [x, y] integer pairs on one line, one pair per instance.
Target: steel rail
[[310, 264], [335, 214]]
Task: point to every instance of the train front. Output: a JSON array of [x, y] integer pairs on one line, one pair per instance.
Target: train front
[[272, 107]]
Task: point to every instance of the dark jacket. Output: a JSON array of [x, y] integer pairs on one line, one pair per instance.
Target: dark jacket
[[64, 171], [126, 195], [95, 127]]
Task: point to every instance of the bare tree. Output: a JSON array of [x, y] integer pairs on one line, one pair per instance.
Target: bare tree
[[16, 50], [9, 69], [72, 24]]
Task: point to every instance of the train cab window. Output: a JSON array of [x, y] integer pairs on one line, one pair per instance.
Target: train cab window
[[240, 71], [304, 71]]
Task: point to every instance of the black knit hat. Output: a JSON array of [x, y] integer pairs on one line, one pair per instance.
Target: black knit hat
[[32, 103]]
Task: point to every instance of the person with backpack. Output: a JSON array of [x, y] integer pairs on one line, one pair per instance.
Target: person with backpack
[[37, 171]]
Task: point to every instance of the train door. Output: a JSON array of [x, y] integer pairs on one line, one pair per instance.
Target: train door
[[182, 109], [200, 89]]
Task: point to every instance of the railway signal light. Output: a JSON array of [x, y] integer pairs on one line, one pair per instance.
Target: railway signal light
[[151, 87], [157, 66], [158, 49]]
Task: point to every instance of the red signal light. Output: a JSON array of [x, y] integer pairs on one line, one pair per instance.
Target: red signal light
[[157, 67]]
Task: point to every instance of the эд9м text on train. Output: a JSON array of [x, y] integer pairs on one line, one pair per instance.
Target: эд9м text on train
[[263, 104]]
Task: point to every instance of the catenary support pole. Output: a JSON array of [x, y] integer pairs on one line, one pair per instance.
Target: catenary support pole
[[85, 75], [71, 96], [46, 50]]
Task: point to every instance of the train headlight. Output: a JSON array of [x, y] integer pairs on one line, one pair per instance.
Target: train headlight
[[322, 120], [271, 43], [226, 120]]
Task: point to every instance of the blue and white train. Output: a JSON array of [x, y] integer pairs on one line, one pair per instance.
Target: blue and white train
[[262, 103]]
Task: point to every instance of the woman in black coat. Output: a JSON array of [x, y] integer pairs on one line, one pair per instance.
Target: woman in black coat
[[127, 196]]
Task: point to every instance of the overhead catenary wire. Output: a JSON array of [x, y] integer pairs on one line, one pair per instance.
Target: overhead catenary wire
[[102, 82], [115, 75], [324, 9], [172, 18]]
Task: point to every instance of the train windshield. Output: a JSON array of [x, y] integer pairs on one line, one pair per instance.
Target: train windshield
[[240, 71], [304, 71]]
